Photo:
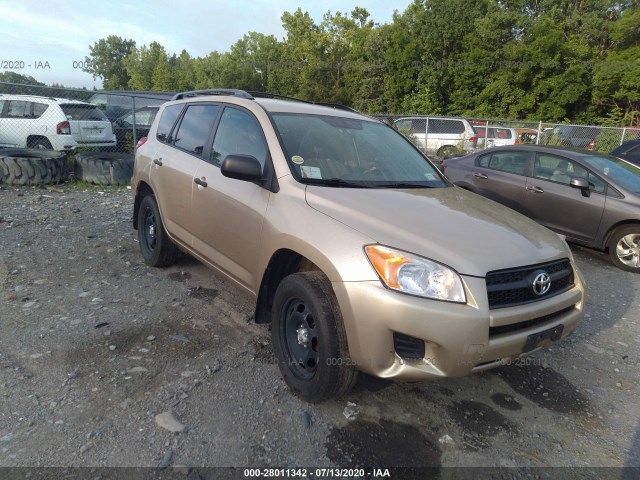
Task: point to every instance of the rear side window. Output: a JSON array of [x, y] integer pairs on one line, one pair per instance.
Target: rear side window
[[439, 125], [143, 117], [195, 128], [39, 109], [634, 153], [83, 112], [167, 120], [503, 133]]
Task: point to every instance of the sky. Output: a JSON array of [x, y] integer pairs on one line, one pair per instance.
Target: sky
[[49, 40]]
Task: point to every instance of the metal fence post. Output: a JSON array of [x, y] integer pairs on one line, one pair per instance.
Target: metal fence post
[[539, 132], [624, 133], [133, 103]]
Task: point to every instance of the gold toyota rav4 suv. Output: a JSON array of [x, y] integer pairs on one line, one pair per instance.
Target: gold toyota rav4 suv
[[360, 254]]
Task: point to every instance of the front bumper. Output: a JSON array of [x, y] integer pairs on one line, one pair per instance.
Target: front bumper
[[457, 336]]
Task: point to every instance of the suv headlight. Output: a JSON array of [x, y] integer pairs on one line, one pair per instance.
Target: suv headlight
[[415, 275]]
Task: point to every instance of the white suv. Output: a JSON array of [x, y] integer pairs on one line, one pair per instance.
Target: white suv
[[52, 123], [438, 135]]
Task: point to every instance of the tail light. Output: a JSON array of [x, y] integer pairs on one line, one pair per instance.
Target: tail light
[[592, 145], [473, 139], [141, 142], [444, 166], [63, 128]]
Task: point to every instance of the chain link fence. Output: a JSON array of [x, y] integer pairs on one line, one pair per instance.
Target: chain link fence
[[440, 136], [75, 120], [97, 131]]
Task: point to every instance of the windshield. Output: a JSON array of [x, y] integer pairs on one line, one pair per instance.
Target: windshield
[[619, 172], [346, 152]]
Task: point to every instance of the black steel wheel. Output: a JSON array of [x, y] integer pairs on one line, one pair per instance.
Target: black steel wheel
[[157, 248], [309, 338]]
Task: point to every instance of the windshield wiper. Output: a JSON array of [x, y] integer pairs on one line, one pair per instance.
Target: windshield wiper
[[334, 182], [403, 185]]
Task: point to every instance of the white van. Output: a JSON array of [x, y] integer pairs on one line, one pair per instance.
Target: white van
[[52, 123], [438, 135]]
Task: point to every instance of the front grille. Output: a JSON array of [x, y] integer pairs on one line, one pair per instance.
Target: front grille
[[515, 327], [407, 347], [514, 286]]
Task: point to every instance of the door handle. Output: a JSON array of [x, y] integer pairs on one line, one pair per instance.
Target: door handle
[[157, 161], [480, 175], [535, 189], [200, 182]]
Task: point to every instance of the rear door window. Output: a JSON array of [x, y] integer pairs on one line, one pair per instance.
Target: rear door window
[[507, 161], [19, 109], [195, 128]]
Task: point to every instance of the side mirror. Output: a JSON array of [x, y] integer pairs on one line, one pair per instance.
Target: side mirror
[[242, 167], [582, 184]]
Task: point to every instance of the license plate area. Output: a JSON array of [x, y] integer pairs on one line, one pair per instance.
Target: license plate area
[[535, 339]]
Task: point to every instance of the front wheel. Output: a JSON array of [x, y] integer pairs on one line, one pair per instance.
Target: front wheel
[[624, 248], [309, 338], [157, 248]]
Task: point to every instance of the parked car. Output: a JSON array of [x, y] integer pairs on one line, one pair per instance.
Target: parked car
[[495, 136], [116, 103], [123, 127], [354, 246], [593, 199], [526, 135], [52, 123], [439, 136], [579, 136], [630, 151]]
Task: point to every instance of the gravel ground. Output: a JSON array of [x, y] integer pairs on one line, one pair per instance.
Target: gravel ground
[[107, 362]]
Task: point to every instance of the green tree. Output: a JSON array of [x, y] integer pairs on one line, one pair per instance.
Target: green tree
[[106, 61], [141, 64]]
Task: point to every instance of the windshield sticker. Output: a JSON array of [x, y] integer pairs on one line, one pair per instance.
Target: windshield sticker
[[310, 172], [297, 159], [429, 176]]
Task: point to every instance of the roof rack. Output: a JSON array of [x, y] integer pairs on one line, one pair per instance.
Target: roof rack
[[214, 91], [251, 95], [277, 96], [337, 106]]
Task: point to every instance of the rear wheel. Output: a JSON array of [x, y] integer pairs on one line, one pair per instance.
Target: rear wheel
[[309, 338], [39, 143], [624, 248], [157, 248], [447, 151]]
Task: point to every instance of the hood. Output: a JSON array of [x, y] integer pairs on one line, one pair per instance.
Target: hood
[[451, 226]]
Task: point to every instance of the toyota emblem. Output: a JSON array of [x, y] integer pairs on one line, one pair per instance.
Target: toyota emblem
[[541, 283]]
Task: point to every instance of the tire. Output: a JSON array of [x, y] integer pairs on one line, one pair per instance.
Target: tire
[[25, 166], [624, 248], [104, 168], [443, 152], [309, 338], [157, 248], [39, 143]]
